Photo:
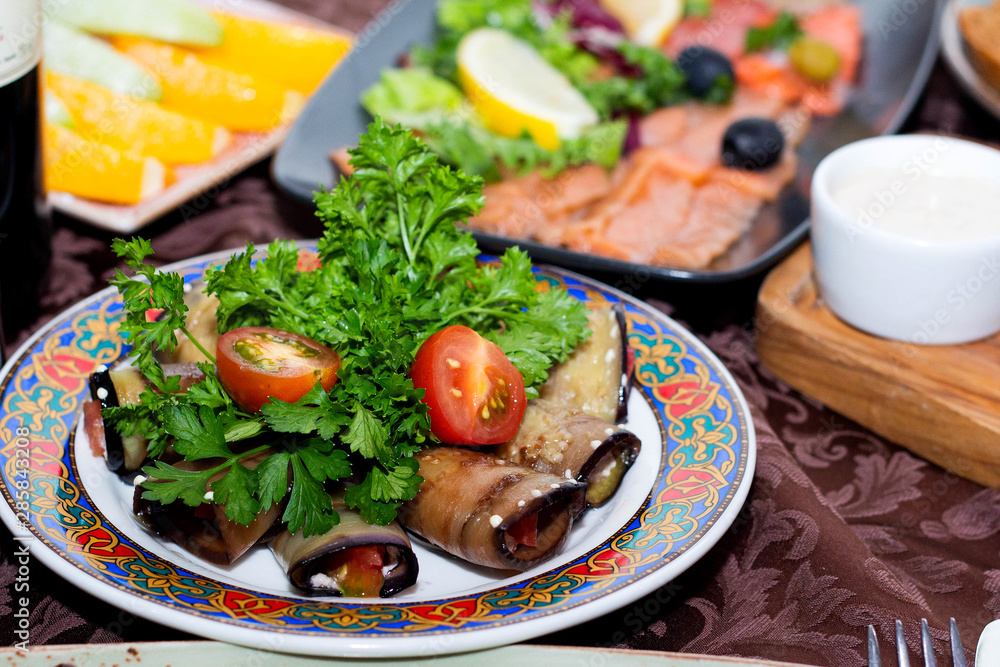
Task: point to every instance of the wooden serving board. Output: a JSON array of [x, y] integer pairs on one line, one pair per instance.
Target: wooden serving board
[[941, 402]]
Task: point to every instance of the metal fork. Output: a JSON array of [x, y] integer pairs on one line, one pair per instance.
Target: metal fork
[[903, 657]]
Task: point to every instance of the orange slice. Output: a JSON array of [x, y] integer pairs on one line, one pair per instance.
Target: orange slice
[[239, 101], [98, 171], [294, 56], [132, 124]]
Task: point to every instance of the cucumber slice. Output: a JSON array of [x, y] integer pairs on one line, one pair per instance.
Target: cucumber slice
[[55, 111], [175, 21], [73, 53]]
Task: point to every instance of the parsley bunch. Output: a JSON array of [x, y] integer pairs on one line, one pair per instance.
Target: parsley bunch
[[394, 269]]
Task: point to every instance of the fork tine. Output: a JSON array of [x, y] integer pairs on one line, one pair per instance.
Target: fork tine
[[874, 659], [925, 640], [901, 653], [957, 650]]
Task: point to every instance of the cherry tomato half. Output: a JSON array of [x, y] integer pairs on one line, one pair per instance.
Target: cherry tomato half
[[256, 363], [474, 394]]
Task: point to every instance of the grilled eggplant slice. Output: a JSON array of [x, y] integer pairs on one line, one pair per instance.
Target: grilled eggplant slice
[[322, 564], [562, 441], [113, 388], [205, 531], [201, 323], [596, 379], [489, 511]]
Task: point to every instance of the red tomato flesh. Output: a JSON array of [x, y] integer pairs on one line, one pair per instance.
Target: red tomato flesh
[[525, 531], [358, 571], [257, 363], [474, 394]]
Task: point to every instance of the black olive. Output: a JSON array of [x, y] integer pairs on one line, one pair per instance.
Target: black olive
[[703, 68], [752, 144]]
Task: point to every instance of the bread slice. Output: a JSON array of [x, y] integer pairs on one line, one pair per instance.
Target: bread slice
[[981, 28]]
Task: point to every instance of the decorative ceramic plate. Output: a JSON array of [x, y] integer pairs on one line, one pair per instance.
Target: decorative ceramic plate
[[899, 51], [682, 494], [956, 55]]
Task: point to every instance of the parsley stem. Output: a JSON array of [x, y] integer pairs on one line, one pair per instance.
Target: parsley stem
[[278, 303], [480, 309], [236, 458], [403, 229], [197, 344], [251, 451]]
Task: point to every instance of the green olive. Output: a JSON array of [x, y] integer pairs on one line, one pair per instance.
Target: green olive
[[814, 59]]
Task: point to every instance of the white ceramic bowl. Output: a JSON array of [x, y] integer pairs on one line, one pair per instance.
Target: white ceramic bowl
[[938, 292]]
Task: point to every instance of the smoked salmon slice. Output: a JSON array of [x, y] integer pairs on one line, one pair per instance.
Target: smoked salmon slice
[[758, 184], [523, 207], [640, 220], [689, 138], [719, 215]]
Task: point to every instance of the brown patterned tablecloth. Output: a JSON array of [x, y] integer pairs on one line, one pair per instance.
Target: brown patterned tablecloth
[[841, 529]]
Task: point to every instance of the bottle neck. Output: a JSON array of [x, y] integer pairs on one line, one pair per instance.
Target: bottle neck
[[20, 39]]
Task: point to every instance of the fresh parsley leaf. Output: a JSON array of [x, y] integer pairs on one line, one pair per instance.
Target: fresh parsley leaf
[[310, 508], [149, 290], [208, 392], [272, 479], [359, 497], [165, 484], [402, 483], [199, 434], [322, 461], [302, 416], [367, 435], [235, 490]]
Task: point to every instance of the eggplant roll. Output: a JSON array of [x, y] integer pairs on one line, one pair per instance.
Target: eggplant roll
[[353, 559], [205, 530], [489, 511], [596, 378], [201, 323], [113, 388], [562, 441]]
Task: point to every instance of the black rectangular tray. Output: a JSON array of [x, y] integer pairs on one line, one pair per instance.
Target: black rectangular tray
[[897, 59]]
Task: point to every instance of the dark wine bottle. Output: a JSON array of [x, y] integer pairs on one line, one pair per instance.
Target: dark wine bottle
[[25, 228]]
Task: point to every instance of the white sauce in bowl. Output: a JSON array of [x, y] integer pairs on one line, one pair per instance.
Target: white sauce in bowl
[[934, 206]]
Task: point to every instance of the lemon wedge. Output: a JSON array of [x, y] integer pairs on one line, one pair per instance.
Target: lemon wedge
[[515, 90], [647, 22]]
